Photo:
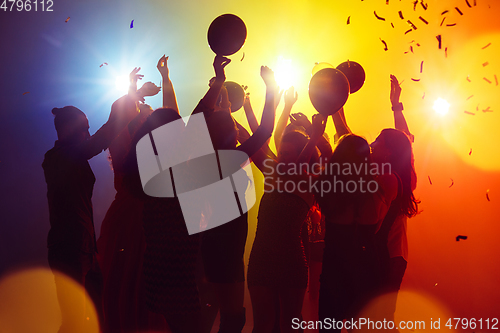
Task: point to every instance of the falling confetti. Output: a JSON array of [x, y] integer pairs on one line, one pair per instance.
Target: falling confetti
[[452, 182], [446, 52], [459, 11], [386, 2], [477, 107], [486, 64], [385, 44], [421, 66], [411, 49], [415, 5], [67, 20], [430, 181], [468, 4], [424, 6], [473, 114], [459, 237], [349, 20], [438, 37], [412, 25], [378, 17], [475, 3], [392, 25], [485, 79], [470, 152], [451, 25], [104, 63], [444, 18], [26, 93], [416, 80], [243, 57], [446, 11], [401, 15], [469, 97], [486, 46], [488, 195], [487, 109], [407, 31], [423, 20], [435, 285], [468, 79], [423, 96], [496, 80], [132, 24]]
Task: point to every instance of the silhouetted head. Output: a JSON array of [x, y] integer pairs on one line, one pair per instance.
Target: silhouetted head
[[394, 147], [292, 144], [223, 130], [71, 124]]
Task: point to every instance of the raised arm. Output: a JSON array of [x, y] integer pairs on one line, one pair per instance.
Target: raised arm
[[207, 103], [300, 119], [397, 108], [340, 123], [252, 120], [169, 99], [317, 129], [290, 99]]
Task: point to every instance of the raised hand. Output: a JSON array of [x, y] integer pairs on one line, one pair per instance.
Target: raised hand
[[290, 97], [300, 119], [220, 62], [134, 77], [267, 75], [395, 90], [162, 67], [318, 125], [148, 89]]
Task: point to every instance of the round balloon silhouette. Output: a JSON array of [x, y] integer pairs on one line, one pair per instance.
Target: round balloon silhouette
[[319, 66], [328, 91], [226, 34], [236, 95], [354, 73]]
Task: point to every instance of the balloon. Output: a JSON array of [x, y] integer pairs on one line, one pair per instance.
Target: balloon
[[236, 95], [354, 73], [319, 66], [226, 34], [328, 91]]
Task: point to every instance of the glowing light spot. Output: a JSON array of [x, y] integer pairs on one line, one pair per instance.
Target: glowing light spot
[[441, 106], [284, 73], [122, 83]]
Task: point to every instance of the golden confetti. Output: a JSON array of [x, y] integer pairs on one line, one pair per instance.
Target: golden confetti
[[452, 182], [473, 114], [459, 11], [378, 17], [485, 79], [423, 20], [488, 195], [486, 64], [67, 20]]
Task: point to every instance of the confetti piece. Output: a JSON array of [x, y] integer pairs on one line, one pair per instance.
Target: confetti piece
[[421, 66], [468, 4], [488, 195], [430, 181], [26, 93], [418, 44], [122, 250], [444, 18], [378, 17], [423, 96], [412, 25], [349, 20], [416, 80], [435, 284], [424, 6], [452, 182], [243, 57], [446, 11], [385, 44], [451, 25], [386, 2], [67, 20], [468, 79], [401, 15], [438, 37], [496, 80], [470, 152], [469, 97], [475, 3], [487, 109], [486, 64], [446, 52], [459, 237], [485, 79], [415, 5], [132, 24], [472, 114], [104, 63], [392, 25], [477, 107], [486, 46], [407, 31], [411, 49], [459, 11], [423, 20]]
